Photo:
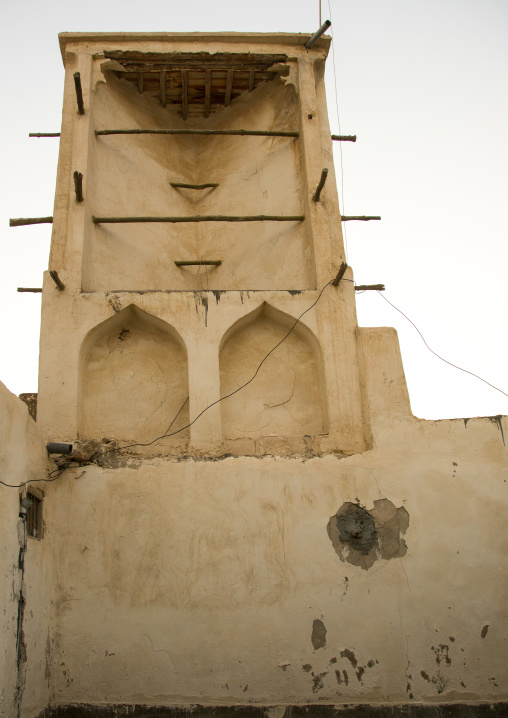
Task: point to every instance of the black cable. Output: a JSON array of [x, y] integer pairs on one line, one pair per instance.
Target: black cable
[[98, 455], [437, 355], [165, 436], [32, 481]]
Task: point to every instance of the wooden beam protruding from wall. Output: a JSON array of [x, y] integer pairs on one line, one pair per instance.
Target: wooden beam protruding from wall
[[78, 186], [79, 93], [360, 218], [44, 134], [317, 194], [54, 276], [30, 220], [340, 274]]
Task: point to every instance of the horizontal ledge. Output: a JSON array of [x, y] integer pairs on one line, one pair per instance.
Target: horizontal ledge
[[362, 218], [365, 287], [213, 262], [196, 218], [194, 291], [30, 220], [44, 134], [37, 290], [344, 138], [182, 185], [253, 133]]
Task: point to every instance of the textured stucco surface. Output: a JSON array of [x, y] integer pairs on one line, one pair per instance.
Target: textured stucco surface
[[200, 581], [211, 567], [22, 458]]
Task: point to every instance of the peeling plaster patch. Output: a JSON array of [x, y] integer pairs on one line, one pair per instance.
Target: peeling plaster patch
[[342, 679], [114, 303], [485, 630], [317, 681], [498, 420], [360, 537], [441, 653], [359, 670], [318, 637], [346, 653]]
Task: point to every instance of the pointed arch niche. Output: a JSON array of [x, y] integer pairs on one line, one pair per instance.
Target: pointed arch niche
[[133, 379], [287, 397]]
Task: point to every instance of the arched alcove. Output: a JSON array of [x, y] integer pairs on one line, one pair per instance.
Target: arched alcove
[[287, 397], [133, 379]]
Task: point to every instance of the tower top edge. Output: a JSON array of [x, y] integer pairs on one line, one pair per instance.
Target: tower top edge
[[296, 40]]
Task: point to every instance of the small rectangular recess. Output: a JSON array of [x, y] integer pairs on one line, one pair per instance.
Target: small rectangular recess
[[34, 514]]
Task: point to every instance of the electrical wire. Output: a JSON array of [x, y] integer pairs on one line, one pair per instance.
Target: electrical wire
[[98, 455], [433, 352], [226, 396], [343, 211], [58, 472]]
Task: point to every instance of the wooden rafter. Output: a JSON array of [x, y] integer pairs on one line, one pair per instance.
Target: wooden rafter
[[195, 84], [229, 87], [162, 80], [208, 88], [185, 93], [134, 60]]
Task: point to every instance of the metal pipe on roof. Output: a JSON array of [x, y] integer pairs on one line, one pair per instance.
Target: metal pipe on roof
[[324, 27]]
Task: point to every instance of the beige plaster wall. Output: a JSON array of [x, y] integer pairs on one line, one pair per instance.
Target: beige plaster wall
[[134, 379], [289, 398], [130, 175], [22, 458], [183, 575], [201, 581], [203, 320]]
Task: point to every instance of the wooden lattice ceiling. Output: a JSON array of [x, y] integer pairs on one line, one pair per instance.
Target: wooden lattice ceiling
[[195, 84]]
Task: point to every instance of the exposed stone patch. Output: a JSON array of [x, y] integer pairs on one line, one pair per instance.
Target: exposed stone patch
[[31, 401], [360, 537], [103, 452]]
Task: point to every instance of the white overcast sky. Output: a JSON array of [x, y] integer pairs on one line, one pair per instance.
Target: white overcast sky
[[423, 83]]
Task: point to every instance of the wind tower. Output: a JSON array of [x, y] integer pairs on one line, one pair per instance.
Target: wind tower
[[189, 237], [251, 522]]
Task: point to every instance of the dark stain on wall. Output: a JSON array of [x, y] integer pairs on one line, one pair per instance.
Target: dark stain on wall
[[360, 537], [318, 636]]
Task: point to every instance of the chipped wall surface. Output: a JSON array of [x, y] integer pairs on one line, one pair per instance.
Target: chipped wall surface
[[301, 540], [26, 585], [216, 581]]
